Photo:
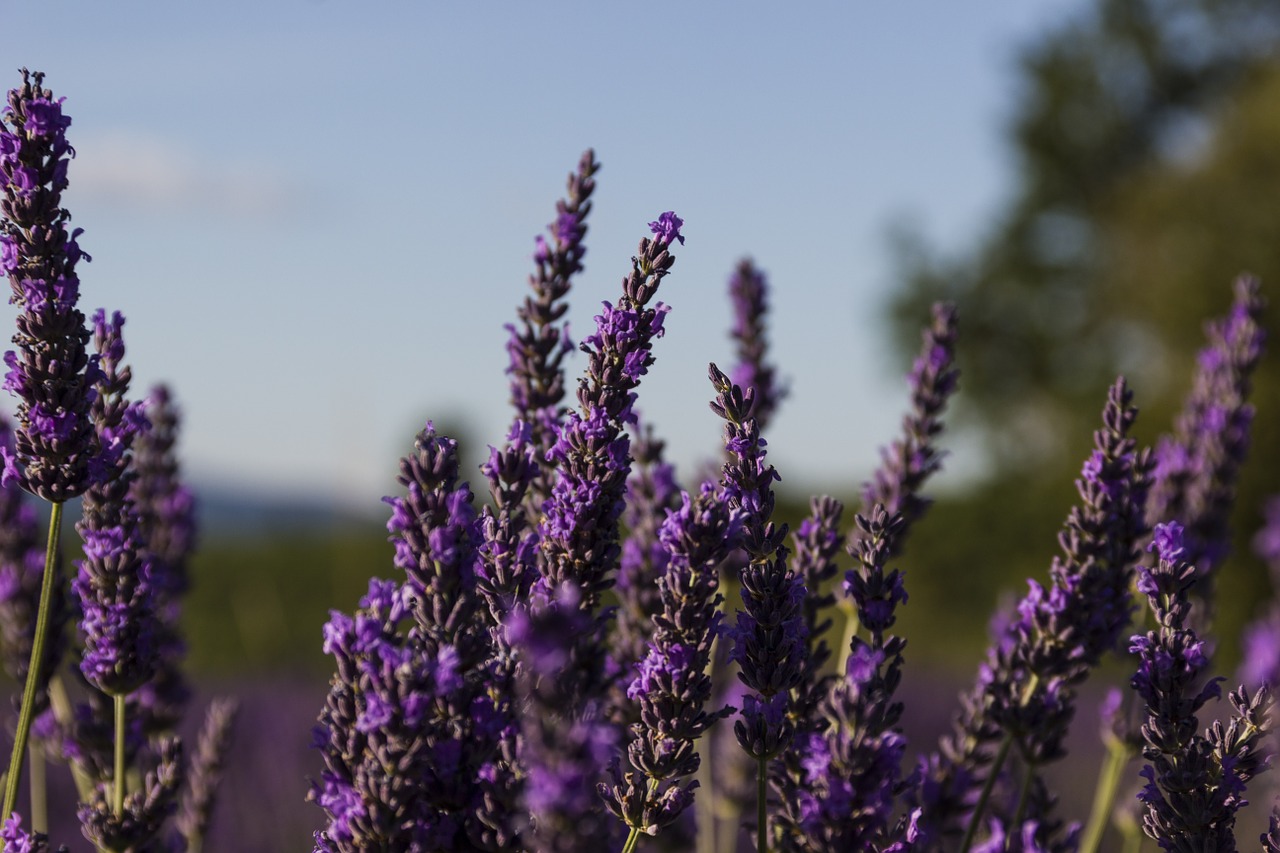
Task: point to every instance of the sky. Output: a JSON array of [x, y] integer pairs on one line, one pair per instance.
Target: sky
[[318, 216]]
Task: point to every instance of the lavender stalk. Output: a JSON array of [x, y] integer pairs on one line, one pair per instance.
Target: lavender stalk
[[51, 373]]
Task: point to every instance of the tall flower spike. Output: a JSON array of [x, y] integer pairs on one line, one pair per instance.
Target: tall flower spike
[[769, 640], [914, 456], [113, 585], [672, 686], [1197, 467], [412, 682], [749, 293], [51, 372], [200, 793], [579, 530], [540, 342], [1025, 691], [167, 521], [1195, 783]]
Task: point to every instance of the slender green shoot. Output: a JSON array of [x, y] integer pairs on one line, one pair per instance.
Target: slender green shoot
[[117, 790], [27, 713]]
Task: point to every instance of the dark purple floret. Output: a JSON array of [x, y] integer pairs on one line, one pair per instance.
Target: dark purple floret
[[748, 292], [671, 685], [1025, 693], [50, 373], [1195, 783], [508, 546]]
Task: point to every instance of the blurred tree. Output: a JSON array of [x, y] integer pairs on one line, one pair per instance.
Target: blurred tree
[[1130, 86], [1148, 144]]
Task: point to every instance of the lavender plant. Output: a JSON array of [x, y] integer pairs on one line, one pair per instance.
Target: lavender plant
[[540, 675]]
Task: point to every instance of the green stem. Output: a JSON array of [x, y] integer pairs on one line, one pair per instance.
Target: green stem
[[972, 829], [117, 790], [36, 664], [762, 813], [851, 625], [1023, 791], [1104, 799], [705, 802], [39, 789], [61, 704]]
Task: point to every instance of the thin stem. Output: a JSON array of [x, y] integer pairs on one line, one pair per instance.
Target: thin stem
[[851, 625], [61, 704], [972, 829], [1023, 791], [38, 785], [762, 814], [27, 713], [705, 803], [1104, 799], [117, 791]]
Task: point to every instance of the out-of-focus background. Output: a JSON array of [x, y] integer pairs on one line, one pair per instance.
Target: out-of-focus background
[[318, 216]]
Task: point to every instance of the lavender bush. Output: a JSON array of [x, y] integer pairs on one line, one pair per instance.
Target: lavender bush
[[543, 672]]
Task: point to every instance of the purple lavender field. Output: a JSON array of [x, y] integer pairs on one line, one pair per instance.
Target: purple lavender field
[[1040, 615]]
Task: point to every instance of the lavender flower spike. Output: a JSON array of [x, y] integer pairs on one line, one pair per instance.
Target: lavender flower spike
[[769, 640], [51, 372], [1195, 783], [539, 344], [114, 581], [914, 457], [1025, 691], [1198, 465], [672, 685], [748, 291]]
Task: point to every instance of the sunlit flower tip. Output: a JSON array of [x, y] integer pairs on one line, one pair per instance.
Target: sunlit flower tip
[[667, 228], [1166, 541]]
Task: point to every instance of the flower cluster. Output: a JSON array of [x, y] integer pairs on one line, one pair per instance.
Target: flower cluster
[[1195, 783], [51, 372]]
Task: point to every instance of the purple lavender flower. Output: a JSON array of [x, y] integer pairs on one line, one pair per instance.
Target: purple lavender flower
[[770, 643], [565, 743], [672, 685], [1025, 692], [414, 667], [18, 841], [1195, 783], [1198, 465], [141, 823], [538, 347], [508, 546], [200, 794], [579, 529], [651, 494], [815, 546], [667, 228], [50, 372], [113, 587], [167, 523], [748, 291], [846, 795], [914, 457]]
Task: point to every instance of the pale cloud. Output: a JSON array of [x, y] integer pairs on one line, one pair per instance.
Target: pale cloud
[[136, 171]]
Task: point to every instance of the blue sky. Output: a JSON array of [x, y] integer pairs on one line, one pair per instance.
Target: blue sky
[[317, 216]]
